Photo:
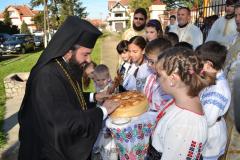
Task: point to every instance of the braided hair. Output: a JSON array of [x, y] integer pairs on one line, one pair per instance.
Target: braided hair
[[188, 66]]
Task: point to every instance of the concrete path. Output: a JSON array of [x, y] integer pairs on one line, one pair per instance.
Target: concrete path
[[11, 127], [109, 53]]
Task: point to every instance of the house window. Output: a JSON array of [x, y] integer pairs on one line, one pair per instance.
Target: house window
[[11, 13], [118, 15]]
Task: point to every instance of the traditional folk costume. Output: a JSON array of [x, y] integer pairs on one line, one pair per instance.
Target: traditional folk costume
[[125, 69], [189, 33], [157, 99], [216, 100], [232, 65], [57, 121], [104, 145], [137, 79], [222, 30], [129, 33], [180, 134]]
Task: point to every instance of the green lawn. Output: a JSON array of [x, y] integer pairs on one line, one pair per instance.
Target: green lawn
[[24, 63]]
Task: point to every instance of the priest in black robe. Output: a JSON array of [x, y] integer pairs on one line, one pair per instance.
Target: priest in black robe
[[57, 120]]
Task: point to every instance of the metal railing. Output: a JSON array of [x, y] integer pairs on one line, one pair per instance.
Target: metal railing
[[205, 16]]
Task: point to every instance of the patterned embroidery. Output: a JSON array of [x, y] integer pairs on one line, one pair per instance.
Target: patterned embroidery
[[132, 134], [214, 98], [136, 137], [216, 95], [138, 152], [214, 102], [194, 152]]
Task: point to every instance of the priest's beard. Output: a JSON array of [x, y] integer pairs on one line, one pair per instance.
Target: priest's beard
[[138, 28], [76, 68]]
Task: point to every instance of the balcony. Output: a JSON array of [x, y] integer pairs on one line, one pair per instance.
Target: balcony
[[118, 18]]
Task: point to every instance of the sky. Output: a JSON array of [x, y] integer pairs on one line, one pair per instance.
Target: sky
[[95, 8]]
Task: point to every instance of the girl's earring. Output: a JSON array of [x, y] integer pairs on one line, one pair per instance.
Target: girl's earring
[[171, 84]]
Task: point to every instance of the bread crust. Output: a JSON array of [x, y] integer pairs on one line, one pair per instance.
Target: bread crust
[[133, 104]]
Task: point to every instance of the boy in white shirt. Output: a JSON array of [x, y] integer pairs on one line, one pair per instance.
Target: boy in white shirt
[[215, 99]]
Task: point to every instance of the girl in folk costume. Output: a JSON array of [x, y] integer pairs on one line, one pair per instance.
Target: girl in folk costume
[[152, 89], [136, 80], [153, 30], [215, 99], [181, 130]]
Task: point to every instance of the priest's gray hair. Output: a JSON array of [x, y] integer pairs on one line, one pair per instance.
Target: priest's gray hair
[[74, 48]]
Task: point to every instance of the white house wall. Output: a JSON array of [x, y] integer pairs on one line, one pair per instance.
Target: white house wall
[[157, 12], [16, 19], [113, 20]]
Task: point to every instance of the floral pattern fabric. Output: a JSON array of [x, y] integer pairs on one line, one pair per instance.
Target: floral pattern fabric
[[132, 139]]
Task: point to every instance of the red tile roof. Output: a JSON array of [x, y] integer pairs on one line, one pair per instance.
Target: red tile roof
[[124, 2], [24, 10], [96, 22], [112, 3], [35, 11]]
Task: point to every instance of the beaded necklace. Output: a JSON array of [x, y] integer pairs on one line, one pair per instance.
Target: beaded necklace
[[75, 87]]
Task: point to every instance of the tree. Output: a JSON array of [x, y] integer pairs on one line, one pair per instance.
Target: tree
[[80, 11], [24, 28], [7, 19], [171, 4], [14, 29], [58, 10], [72, 8], [38, 20], [134, 4]]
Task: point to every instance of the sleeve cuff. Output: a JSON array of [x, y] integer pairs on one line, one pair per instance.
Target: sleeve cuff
[[91, 97], [105, 114]]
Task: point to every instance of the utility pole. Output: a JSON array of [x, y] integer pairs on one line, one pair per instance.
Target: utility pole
[[45, 24]]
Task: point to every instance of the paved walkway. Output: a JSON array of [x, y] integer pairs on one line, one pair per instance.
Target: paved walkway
[[109, 54], [11, 127]]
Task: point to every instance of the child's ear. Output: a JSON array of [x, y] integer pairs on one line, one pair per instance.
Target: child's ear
[[174, 78], [143, 51]]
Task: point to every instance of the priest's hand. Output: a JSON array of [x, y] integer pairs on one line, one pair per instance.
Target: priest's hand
[[101, 96], [110, 105]]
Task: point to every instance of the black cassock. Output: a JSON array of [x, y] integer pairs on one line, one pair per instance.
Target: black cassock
[[53, 124], [55, 121]]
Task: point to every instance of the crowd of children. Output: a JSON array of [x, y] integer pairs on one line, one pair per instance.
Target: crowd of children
[[187, 89]]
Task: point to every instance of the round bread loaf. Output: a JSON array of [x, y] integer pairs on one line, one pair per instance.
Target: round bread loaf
[[133, 104]]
